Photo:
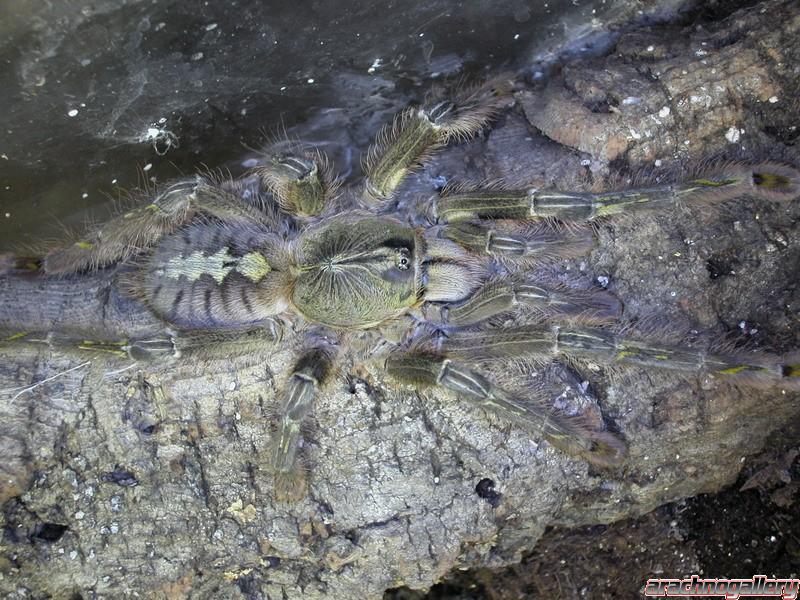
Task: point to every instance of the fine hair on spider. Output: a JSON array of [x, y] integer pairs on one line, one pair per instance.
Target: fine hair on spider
[[417, 132], [456, 296]]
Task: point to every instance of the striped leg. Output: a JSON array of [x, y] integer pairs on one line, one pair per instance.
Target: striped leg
[[140, 228], [521, 243], [309, 376], [417, 132], [607, 347], [570, 434], [165, 345], [767, 180], [501, 297], [202, 345]]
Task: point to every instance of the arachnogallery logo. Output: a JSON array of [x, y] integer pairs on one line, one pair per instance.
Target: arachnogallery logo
[[758, 585]]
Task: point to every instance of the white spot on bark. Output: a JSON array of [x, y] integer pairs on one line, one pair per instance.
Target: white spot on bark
[[733, 134]]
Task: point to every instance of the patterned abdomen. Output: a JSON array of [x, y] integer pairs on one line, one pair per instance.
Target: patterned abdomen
[[215, 276]]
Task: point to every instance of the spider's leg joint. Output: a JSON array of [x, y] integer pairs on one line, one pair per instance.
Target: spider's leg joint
[[442, 370], [462, 380], [438, 113], [153, 349], [433, 209]]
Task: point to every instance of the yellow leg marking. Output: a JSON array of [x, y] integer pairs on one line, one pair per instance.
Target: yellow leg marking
[[94, 343], [712, 183], [16, 336], [101, 347], [740, 369], [792, 371], [771, 180]]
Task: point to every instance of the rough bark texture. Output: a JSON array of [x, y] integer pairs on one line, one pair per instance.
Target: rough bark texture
[[94, 306], [147, 480]]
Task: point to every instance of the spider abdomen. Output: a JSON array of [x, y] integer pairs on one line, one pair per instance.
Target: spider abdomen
[[212, 275]]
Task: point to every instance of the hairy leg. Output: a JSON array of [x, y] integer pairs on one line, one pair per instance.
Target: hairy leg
[[714, 184], [568, 433], [418, 132], [142, 227], [310, 374], [609, 347], [540, 301], [522, 244], [302, 182], [164, 345]]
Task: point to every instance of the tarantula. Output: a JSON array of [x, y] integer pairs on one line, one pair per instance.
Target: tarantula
[[436, 289]]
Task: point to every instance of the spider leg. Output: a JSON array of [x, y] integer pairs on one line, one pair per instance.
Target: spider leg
[[312, 371], [609, 347], [301, 182], [140, 228], [10, 263], [504, 296], [164, 345], [418, 132], [765, 180], [527, 243], [568, 433], [198, 344]]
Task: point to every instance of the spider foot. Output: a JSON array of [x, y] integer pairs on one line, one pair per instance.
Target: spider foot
[[291, 486]]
